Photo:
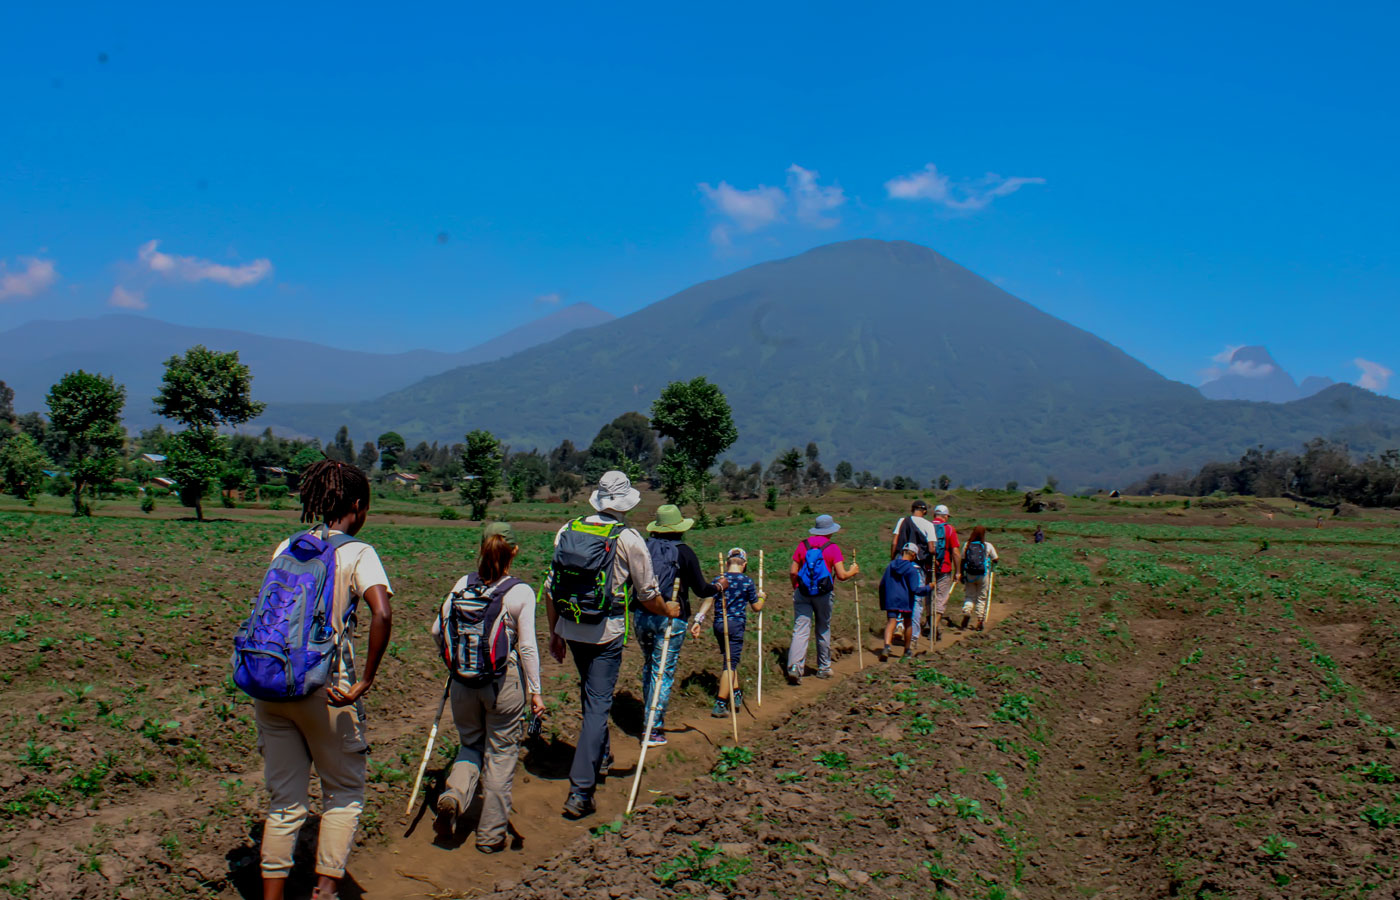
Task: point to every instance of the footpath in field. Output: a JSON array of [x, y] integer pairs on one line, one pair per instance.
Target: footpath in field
[[425, 862]]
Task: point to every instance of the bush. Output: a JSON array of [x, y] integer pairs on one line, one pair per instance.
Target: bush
[[148, 502], [771, 501], [227, 500], [60, 486], [449, 513]]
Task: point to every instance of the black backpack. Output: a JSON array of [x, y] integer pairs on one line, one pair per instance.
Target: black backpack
[[909, 533], [475, 643], [974, 560], [666, 563], [580, 579]]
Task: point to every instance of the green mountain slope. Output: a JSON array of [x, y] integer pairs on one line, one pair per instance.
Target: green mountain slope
[[884, 353]]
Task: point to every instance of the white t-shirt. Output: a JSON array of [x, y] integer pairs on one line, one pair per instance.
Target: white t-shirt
[[921, 523], [519, 606], [357, 569]]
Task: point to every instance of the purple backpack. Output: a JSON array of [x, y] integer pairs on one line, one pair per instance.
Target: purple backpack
[[288, 648]]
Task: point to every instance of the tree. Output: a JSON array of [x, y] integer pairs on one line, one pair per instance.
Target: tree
[[204, 390], [789, 466], [844, 472], [300, 461], [85, 415], [528, 473], [696, 417], [944, 482], [1012, 485], [813, 452], [342, 449], [367, 458], [22, 464], [629, 437], [481, 463], [7, 402], [1051, 483], [207, 389], [391, 445]]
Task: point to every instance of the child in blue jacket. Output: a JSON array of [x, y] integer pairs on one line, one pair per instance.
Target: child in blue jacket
[[902, 582]]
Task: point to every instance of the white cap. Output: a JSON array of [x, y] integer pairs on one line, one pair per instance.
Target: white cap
[[911, 547], [940, 510]]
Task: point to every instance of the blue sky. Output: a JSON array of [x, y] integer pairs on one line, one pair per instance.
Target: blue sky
[[1197, 176]]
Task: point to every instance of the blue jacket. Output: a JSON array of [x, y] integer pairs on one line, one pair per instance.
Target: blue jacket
[[902, 582]]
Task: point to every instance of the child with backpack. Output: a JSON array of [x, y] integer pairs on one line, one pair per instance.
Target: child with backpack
[[817, 564], [916, 529], [678, 572], [979, 561], [901, 584], [485, 631], [740, 596], [295, 657]]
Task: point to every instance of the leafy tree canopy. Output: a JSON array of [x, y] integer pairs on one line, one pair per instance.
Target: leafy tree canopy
[[206, 389], [85, 414]]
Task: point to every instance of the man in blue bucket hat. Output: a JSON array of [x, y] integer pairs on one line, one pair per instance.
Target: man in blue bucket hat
[[817, 564]]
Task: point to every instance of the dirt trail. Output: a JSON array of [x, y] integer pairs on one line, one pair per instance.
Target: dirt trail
[[1091, 779], [423, 863]]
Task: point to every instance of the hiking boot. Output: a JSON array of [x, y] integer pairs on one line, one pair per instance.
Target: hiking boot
[[738, 700], [963, 626], [447, 806], [579, 805], [823, 673], [794, 675], [657, 739], [981, 624], [885, 653], [491, 848], [604, 765], [721, 708]]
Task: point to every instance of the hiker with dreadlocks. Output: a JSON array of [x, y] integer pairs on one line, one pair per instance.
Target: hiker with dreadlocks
[[295, 657]]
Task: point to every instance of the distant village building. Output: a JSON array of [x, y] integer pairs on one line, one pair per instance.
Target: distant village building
[[163, 482], [155, 459], [404, 478]]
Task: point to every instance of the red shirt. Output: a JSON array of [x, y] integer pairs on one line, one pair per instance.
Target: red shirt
[[950, 543], [830, 552]]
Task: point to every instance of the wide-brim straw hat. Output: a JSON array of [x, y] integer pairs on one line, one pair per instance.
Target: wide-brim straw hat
[[614, 492], [670, 521]]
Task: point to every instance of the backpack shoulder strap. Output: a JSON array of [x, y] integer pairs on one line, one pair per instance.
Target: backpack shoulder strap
[[504, 585], [340, 540]]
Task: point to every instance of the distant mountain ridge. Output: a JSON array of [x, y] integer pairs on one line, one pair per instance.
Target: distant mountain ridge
[[1251, 373], [886, 354], [134, 348]]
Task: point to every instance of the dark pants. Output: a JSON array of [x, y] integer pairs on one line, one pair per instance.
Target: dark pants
[[598, 665]]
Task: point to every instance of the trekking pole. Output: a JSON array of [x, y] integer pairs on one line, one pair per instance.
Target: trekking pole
[[860, 632], [428, 750], [760, 629], [728, 648], [651, 716]]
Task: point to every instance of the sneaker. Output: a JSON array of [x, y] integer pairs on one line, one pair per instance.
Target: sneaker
[[604, 765], [886, 653], [966, 619], [447, 806], [491, 848], [579, 805], [657, 739], [794, 675], [721, 708], [823, 673], [981, 624], [738, 700]]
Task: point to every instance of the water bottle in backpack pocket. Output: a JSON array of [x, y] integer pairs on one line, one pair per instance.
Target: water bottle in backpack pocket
[[289, 646], [475, 643], [814, 577]]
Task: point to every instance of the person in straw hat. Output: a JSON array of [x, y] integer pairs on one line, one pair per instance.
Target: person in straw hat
[[600, 567]]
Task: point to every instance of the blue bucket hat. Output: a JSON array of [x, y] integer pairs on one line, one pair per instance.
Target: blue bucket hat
[[825, 525]]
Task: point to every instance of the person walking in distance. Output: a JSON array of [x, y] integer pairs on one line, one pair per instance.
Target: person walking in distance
[[739, 596], [901, 585], [485, 632], [979, 561], [1039, 534], [600, 566], [324, 727], [947, 562], [678, 573], [817, 564], [915, 529]]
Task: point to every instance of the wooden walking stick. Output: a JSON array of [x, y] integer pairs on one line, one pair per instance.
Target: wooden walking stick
[[760, 629], [728, 672], [860, 632], [428, 750], [651, 715]]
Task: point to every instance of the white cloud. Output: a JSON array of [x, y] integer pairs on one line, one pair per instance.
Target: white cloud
[[190, 268], [551, 299], [749, 210], [1226, 364], [1224, 356], [1374, 376], [931, 184], [38, 275], [811, 200], [126, 299]]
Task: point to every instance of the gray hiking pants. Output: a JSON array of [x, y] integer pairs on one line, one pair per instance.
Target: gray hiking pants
[[808, 611], [488, 726]]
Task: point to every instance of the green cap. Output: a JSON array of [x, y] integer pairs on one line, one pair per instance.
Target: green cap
[[503, 529], [669, 521]]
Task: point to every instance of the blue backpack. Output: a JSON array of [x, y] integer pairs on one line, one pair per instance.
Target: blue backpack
[[288, 647], [814, 577], [940, 542]]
